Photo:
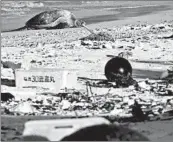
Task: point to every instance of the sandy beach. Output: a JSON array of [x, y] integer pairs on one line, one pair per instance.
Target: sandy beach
[[143, 31]]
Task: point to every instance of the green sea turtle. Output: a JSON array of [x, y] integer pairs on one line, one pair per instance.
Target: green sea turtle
[[55, 19]]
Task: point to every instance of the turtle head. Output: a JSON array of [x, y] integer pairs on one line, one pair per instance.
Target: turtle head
[[79, 23]]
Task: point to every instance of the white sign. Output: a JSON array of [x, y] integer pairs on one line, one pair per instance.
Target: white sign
[[52, 79]]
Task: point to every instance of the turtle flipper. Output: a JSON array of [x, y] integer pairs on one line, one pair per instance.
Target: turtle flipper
[[18, 29]]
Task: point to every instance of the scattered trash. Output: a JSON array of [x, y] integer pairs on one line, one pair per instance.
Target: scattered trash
[[8, 82], [125, 55], [6, 96], [117, 101], [23, 107], [137, 112], [84, 43], [9, 64], [167, 75], [101, 36]]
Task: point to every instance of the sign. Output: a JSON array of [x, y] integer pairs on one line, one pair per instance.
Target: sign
[[51, 79]]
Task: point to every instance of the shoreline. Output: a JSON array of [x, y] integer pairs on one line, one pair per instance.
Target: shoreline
[[123, 14], [94, 16]]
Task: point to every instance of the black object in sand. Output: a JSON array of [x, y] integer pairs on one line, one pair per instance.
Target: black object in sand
[[6, 96], [105, 133], [119, 69]]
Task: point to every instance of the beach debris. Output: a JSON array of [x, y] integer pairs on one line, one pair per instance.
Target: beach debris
[[167, 111], [65, 104], [137, 112], [7, 73], [86, 43], [54, 19], [101, 36], [8, 82], [23, 107], [167, 75], [125, 55], [119, 70], [144, 85], [168, 36], [6, 96], [107, 46], [9, 64]]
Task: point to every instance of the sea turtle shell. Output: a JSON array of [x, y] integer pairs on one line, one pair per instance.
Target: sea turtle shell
[[48, 18]]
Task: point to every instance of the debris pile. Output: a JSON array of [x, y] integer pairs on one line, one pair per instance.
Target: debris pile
[[154, 98], [101, 36], [108, 99]]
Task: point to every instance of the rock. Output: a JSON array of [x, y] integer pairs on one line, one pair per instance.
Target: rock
[[119, 46], [167, 36], [5, 111], [167, 114], [9, 64], [6, 96], [119, 70], [125, 55], [8, 82], [26, 63], [167, 75], [130, 47], [108, 106], [101, 36]]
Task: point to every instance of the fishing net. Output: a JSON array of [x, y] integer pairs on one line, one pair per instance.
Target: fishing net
[[101, 36]]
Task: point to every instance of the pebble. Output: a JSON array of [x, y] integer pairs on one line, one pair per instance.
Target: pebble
[[118, 102]]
